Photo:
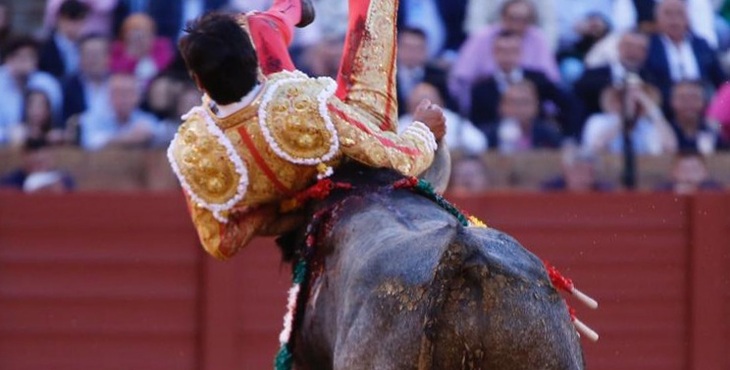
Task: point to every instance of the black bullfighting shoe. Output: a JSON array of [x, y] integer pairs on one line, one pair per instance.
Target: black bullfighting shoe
[[308, 13]]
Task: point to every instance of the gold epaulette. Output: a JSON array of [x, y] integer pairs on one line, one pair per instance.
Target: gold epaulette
[[206, 164], [295, 119]]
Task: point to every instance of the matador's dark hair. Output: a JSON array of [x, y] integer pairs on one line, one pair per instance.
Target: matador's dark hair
[[220, 53]]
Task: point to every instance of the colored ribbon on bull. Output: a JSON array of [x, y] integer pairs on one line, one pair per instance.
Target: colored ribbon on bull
[[283, 360], [563, 283]]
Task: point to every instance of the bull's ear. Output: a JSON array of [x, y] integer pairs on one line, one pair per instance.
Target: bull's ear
[[440, 171]]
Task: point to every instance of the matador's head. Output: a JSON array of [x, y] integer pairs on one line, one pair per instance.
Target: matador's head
[[220, 57]]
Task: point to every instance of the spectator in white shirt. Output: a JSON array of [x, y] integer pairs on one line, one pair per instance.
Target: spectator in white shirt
[[701, 16], [461, 134], [677, 54], [125, 126]]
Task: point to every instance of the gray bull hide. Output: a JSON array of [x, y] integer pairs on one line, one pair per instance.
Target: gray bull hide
[[403, 285]]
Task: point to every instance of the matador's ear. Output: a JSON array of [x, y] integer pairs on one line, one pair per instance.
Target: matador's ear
[[196, 79]]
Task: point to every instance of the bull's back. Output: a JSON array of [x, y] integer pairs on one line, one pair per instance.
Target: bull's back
[[419, 291], [498, 310]]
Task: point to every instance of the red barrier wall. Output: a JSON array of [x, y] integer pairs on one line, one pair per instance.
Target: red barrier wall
[[117, 281]]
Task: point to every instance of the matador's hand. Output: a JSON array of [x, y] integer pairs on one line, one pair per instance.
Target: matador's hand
[[432, 116]]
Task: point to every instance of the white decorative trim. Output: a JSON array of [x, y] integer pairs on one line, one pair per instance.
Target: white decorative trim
[[324, 95], [238, 163], [327, 173], [420, 130], [423, 137], [291, 305]]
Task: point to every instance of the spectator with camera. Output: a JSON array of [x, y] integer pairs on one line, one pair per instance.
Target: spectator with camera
[[633, 107], [633, 47]]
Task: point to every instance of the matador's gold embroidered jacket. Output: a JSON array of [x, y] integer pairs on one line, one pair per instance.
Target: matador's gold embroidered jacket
[[233, 168]]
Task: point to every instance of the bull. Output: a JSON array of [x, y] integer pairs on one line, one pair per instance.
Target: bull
[[398, 282]]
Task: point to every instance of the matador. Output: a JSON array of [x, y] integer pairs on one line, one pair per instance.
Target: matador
[[265, 131]]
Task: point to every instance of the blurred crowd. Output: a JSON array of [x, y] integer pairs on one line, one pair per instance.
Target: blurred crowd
[[586, 77]]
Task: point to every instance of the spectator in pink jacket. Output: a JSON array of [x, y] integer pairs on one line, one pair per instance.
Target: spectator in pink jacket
[[475, 57], [139, 50]]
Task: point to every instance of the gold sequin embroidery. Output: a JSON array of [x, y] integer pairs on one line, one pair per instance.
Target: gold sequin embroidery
[[204, 163]]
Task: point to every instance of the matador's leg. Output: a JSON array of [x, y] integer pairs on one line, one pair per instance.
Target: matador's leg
[[366, 80], [271, 33]]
